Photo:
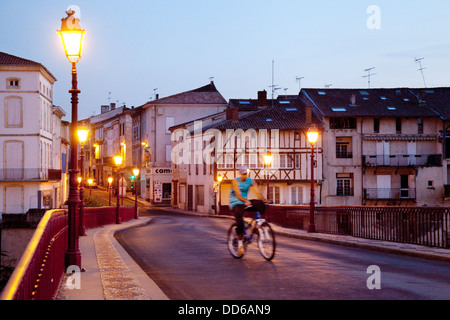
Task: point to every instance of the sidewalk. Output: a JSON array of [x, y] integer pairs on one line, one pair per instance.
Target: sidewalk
[[111, 274]]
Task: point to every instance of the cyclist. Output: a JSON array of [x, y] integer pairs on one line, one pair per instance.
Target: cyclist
[[239, 202]]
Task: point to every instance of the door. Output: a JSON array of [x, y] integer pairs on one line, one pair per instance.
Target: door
[[14, 160], [411, 147], [383, 152], [404, 186], [383, 187], [190, 199]]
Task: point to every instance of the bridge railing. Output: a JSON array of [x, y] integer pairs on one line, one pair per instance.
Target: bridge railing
[[39, 272]]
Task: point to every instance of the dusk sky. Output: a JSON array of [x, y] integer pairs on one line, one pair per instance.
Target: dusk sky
[[132, 47]]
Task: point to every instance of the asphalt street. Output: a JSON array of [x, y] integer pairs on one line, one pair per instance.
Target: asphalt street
[[188, 259]]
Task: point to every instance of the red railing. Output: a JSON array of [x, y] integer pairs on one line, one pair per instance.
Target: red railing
[[41, 268]]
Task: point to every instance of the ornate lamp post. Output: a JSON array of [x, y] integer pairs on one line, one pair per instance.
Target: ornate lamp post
[[267, 161], [118, 162], [90, 181], [82, 137], [219, 179], [110, 180], [72, 39], [135, 173], [312, 135]]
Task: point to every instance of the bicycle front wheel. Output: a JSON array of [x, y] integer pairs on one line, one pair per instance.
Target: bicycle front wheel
[[266, 241], [232, 242]]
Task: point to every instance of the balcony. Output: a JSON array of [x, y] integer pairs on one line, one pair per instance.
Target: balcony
[[390, 194], [29, 174], [411, 160]]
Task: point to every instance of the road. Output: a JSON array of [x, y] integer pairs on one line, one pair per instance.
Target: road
[[187, 258]]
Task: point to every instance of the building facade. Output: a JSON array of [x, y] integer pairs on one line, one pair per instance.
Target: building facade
[[381, 147], [33, 138]]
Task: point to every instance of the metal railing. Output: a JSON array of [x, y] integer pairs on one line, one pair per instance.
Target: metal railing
[[40, 270], [404, 160], [389, 194], [415, 225]]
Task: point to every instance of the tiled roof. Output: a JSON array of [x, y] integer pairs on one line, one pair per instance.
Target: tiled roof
[[7, 59], [205, 95], [284, 114], [436, 98], [399, 102]]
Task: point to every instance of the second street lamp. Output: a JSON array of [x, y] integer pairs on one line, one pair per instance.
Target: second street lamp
[[118, 162], [110, 180], [135, 173], [72, 39], [312, 135], [268, 161], [82, 137]]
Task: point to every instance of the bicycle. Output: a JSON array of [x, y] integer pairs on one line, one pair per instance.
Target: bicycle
[[258, 227]]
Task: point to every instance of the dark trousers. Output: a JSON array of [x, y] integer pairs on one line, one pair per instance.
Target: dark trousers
[[239, 212]]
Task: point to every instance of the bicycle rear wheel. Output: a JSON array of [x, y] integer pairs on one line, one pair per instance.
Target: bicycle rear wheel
[[232, 242], [266, 241]]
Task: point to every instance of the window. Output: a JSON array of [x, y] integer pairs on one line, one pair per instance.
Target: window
[[344, 184], [398, 125], [342, 123], [344, 147], [430, 184], [296, 195], [376, 125], [297, 161], [13, 83], [285, 161], [274, 194], [170, 121], [13, 112], [419, 126]]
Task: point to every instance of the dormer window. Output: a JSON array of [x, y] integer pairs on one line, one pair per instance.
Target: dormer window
[[13, 83]]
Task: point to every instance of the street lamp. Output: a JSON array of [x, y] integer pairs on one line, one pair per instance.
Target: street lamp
[[72, 39], [118, 162], [219, 179], [135, 173], [312, 135], [90, 181], [110, 180], [267, 161], [82, 137]]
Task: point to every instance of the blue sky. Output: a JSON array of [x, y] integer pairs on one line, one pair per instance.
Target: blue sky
[[135, 46]]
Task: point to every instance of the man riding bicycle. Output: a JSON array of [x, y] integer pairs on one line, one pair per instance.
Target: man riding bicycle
[[239, 202]]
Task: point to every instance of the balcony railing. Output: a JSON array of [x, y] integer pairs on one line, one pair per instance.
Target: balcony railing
[[390, 194], [29, 174], [405, 160]]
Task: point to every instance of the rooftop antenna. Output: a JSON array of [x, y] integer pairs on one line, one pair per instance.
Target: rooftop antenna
[[210, 79], [154, 93], [285, 92], [419, 61], [369, 74], [109, 97], [327, 86], [299, 80]]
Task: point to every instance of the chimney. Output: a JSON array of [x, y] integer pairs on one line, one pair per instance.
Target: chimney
[[157, 96], [308, 114], [262, 99], [232, 114], [113, 106], [104, 108]]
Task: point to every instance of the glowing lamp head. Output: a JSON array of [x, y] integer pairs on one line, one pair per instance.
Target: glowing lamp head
[[312, 135], [79, 179], [118, 160], [90, 181], [71, 36], [136, 172], [268, 159], [219, 178], [82, 135], [110, 180]]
